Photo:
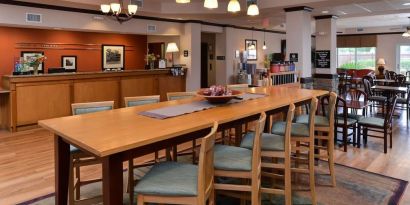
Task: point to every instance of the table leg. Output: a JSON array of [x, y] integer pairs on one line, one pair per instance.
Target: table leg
[[62, 164], [238, 135], [112, 180]]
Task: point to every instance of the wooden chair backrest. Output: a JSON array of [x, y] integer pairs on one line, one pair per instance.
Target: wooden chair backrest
[[206, 165], [312, 113], [288, 129], [356, 94], [367, 87], [76, 106], [141, 100], [180, 95], [240, 87], [390, 111], [256, 150]]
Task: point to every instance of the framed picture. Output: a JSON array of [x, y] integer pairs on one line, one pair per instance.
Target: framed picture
[[251, 46], [113, 57], [69, 63], [27, 54], [162, 63]]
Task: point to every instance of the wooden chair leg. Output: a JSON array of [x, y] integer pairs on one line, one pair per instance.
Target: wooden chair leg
[[391, 137], [193, 151], [211, 199], [288, 181], [359, 135], [71, 183], [345, 139], [365, 132], [140, 200], [331, 162], [131, 180], [312, 171], [77, 185], [385, 140]]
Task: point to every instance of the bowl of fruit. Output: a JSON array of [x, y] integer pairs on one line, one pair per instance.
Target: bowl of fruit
[[219, 94]]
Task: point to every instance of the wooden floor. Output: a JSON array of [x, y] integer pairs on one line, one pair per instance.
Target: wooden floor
[[27, 162]]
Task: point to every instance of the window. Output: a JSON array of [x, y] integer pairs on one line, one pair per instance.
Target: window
[[356, 58], [404, 56]]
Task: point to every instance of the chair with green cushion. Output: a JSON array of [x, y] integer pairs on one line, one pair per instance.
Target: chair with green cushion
[[346, 122], [403, 103], [141, 100], [303, 135], [277, 148], [237, 162], [181, 183], [378, 101], [380, 125], [180, 95], [79, 158]]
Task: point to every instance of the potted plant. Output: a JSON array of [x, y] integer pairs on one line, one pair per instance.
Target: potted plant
[[35, 61]]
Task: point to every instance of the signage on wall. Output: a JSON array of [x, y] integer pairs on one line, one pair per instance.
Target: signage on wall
[[220, 58], [323, 59], [185, 53], [294, 57]]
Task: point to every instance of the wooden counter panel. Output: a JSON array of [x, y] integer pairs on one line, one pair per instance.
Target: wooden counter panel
[[141, 86], [170, 84], [103, 90], [39, 102]]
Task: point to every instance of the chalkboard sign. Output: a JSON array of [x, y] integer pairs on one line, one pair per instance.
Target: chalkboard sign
[[293, 57], [323, 59]]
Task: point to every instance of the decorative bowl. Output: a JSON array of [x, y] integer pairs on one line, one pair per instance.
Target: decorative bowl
[[219, 99]]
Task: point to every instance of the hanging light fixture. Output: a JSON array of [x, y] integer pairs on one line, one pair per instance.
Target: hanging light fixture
[[253, 9], [234, 6], [117, 7], [252, 46], [406, 34], [183, 1], [264, 43], [211, 4]]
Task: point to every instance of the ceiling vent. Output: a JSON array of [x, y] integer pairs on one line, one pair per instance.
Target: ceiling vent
[[139, 3], [151, 28], [359, 29], [34, 18]]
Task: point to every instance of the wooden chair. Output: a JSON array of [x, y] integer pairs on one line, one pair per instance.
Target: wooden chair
[[79, 158], [380, 125], [237, 162], [324, 126], [303, 134], [131, 102], [277, 149], [179, 183], [377, 101], [344, 83], [173, 153], [345, 122], [141, 100], [240, 87], [403, 103]]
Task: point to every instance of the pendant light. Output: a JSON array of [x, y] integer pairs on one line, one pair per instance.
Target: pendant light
[[211, 4], [253, 9], [264, 43], [252, 46], [234, 6], [183, 1], [406, 34]]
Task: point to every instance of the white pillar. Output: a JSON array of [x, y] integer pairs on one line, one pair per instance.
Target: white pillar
[[326, 40], [190, 41], [298, 38]]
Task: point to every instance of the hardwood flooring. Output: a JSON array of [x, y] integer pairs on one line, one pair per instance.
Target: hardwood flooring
[[27, 162]]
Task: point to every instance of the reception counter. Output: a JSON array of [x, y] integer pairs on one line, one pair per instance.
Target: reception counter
[[33, 98]]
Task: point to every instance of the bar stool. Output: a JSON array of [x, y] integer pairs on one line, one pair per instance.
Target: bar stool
[[174, 151], [132, 102], [79, 158], [179, 183], [276, 147], [302, 133], [237, 162], [325, 124]]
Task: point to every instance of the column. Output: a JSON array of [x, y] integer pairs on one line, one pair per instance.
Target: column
[[190, 41], [299, 40]]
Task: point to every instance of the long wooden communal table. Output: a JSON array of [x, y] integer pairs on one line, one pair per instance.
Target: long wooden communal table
[[118, 135]]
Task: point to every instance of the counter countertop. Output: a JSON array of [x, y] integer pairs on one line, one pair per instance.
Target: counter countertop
[[89, 73]]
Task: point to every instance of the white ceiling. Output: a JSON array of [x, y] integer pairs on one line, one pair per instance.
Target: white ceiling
[[352, 13]]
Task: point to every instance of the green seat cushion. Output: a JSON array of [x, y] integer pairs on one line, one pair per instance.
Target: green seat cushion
[[373, 121], [402, 100], [269, 142], [170, 179], [74, 149], [298, 129], [80, 111], [230, 158], [377, 98], [141, 102], [180, 97], [349, 121], [351, 116], [320, 121]]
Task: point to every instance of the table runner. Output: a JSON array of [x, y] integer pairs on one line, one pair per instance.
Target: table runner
[[174, 111]]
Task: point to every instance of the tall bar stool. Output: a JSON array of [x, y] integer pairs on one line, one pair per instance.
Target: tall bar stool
[[238, 162], [79, 158], [242, 88], [174, 151], [301, 134], [325, 124], [179, 183], [132, 102], [276, 147]]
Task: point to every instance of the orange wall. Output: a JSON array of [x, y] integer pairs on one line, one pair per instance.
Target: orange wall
[[87, 60]]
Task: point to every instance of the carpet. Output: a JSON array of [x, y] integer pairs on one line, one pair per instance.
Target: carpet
[[354, 186]]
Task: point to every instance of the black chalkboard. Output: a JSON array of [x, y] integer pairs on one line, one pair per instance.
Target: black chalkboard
[[322, 59]]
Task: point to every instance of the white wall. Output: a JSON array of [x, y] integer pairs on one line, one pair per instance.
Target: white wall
[[387, 48], [191, 41]]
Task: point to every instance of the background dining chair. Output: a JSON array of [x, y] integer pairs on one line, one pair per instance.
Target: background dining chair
[[380, 125], [377, 101], [276, 148], [79, 158], [172, 154], [180, 183], [237, 162], [345, 122], [141, 100], [403, 103], [302, 134]]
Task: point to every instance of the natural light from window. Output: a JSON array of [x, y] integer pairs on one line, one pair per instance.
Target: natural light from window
[[356, 58], [404, 59]]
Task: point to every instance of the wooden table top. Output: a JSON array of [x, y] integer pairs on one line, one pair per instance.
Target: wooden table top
[[109, 132], [390, 88]]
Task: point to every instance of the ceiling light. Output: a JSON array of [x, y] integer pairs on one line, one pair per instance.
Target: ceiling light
[[183, 1], [325, 12], [117, 7], [264, 43], [211, 4], [406, 34], [105, 8], [132, 9], [406, 4], [253, 9], [234, 6]]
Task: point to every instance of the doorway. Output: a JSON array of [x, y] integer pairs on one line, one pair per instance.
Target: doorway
[[204, 65], [208, 63]]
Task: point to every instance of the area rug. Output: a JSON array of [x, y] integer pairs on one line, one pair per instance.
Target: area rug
[[354, 186]]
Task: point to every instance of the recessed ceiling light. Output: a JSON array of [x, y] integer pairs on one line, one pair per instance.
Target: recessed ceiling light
[[325, 12], [406, 4]]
